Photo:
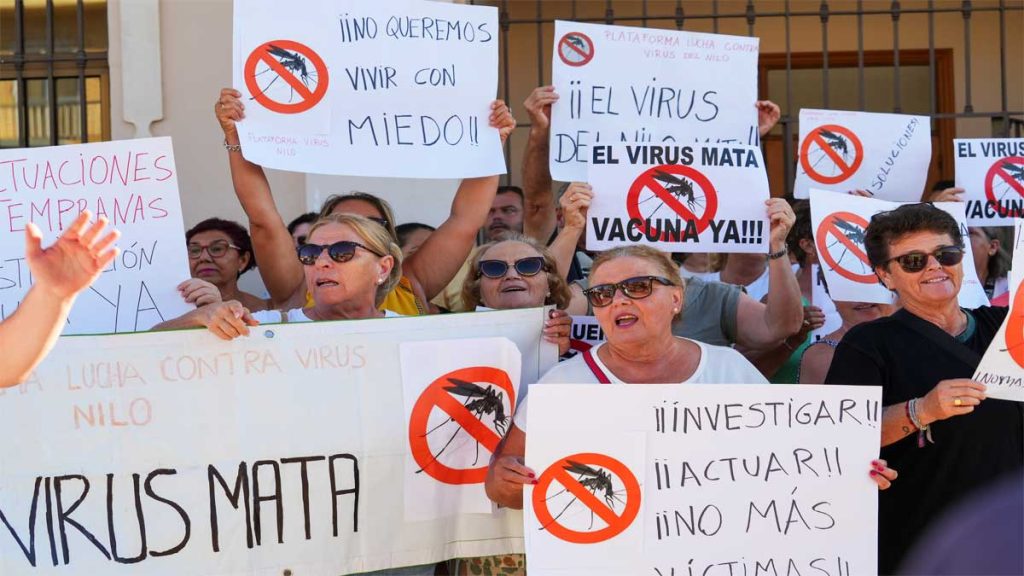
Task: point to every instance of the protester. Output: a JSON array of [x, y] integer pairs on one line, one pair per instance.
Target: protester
[[506, 213], [937, 427], [59, 273], [990, 247], [817, 357], [517, 272], [424, 274], [510, 273], [781, 364], [350, 265], [219, 252], [716, 310], [636, 292], [411, 236], [299, 228]]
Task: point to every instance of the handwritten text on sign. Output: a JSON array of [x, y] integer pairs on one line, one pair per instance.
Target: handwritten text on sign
[[691, 198], [886, 154], [359, 87], [839, 223], [280, 450], [724, 478], [991, 172], [131, 182], [641, 85]]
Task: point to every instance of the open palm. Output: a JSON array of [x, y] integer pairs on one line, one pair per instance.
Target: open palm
[[75, 260]]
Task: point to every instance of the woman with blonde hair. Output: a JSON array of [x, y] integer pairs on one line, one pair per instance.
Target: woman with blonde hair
[[350, 265]]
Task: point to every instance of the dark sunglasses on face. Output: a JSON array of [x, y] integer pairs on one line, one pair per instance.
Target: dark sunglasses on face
[[917, 261], [215, 250], [530, 266], [339, 251], [635, 288]]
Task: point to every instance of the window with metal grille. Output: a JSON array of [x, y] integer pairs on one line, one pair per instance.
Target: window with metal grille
[[54, 80]]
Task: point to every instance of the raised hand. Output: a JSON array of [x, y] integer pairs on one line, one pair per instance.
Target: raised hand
[[75, 260], [501, 118], [538, 106]]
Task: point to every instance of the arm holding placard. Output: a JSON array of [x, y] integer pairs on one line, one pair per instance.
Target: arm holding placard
[[539, 219], [272, 245], [767, 325], [575, 203], [507, 473], [227, 320], [768, 115], [437, 261], [60, 272]]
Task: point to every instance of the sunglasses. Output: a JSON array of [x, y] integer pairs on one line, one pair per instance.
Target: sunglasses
[[917, 261], [635, 288], [530, 266], [215, 250], [339, 252]]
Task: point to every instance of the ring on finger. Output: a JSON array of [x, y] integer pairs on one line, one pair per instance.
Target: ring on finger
[[957, 401]]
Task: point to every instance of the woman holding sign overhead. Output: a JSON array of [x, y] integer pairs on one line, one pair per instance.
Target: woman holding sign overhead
[[636, 292], [424, 274], [937, 428]]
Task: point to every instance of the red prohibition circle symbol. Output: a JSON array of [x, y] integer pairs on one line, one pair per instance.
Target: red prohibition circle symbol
[[592, 480], [1008, 171], [847, 229], [294, 65], [1015, 328], [454, 393], [576, 49], [681, 188], [835, 143]]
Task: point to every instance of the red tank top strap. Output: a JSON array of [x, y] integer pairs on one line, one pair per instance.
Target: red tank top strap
[[592, 364]]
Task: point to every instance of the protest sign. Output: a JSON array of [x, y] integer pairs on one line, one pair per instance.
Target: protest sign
[[739, 479], [886, 154], [1001, 369], [839, 222], [134, 184], [363, 88], [622, 84], [586, 333], [821, 299], [177, 453], [457, 401], [692, 198], [991, 172]]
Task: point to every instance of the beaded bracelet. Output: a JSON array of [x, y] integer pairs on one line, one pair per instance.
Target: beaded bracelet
[[923, 432]]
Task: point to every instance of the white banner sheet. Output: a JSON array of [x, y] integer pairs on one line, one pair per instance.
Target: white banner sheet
[[177, 453]]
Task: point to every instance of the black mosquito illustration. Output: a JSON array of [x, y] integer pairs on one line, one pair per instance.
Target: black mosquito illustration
[[680, 188], [479, 401], [853, 232], [596, 480], [293, 62], [578, 42]]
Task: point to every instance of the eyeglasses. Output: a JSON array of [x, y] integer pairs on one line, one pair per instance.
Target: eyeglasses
[[530, 266], [215, 250], [339, 251], [917, 261], [635, 288]]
